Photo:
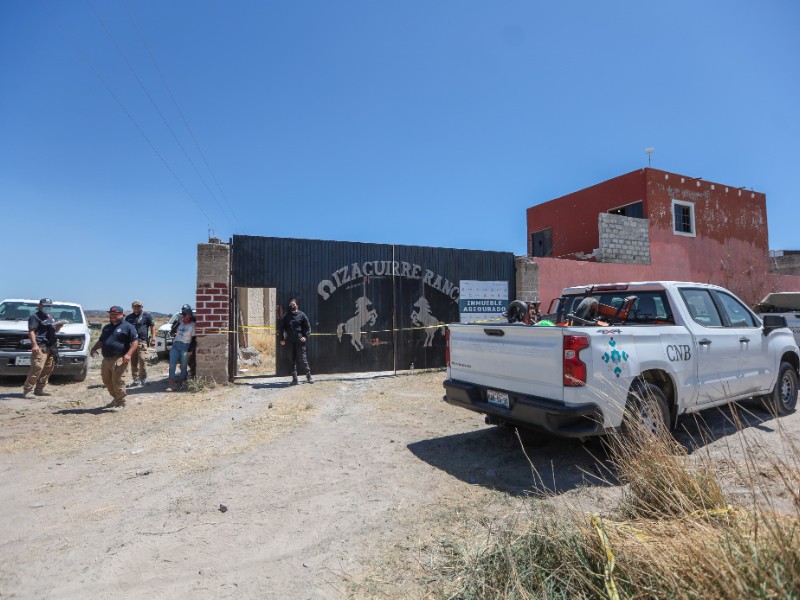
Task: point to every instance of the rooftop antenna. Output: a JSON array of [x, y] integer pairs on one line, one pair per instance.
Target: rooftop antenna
[[649, 152]]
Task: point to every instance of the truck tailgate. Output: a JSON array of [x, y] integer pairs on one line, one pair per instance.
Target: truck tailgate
[[515, 358]]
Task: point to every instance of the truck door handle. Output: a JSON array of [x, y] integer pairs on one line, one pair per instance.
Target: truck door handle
[[744, 339], [498, 332], [705, 342]]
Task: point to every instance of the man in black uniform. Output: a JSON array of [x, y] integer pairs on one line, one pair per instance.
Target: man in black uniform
[[44, 349], [119, 341], [294, 330], [145, 327]]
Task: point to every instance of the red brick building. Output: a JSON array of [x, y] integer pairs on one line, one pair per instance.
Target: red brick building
[[651, 225]]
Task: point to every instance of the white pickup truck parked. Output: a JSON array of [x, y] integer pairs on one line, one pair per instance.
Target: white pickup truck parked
[[164, 336], [15, 345], [647, 350]]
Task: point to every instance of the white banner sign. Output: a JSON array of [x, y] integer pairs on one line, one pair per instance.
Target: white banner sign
[[482, 301]]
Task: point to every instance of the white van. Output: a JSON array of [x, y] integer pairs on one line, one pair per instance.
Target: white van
[[15, 345]]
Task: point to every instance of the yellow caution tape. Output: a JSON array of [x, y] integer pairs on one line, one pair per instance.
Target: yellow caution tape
[[608, 570], [273, 328], [729, 510]]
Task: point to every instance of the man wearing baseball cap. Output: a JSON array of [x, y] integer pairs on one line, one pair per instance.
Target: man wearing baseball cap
[[44, 348], [119, 341], [145, 327]]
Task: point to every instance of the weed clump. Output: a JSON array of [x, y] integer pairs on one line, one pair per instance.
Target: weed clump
[[200, 384], [673, 534]]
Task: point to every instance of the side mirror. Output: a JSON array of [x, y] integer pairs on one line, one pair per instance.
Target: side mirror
[[772, 322]]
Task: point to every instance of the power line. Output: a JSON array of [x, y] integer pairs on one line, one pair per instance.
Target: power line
[[97, 74], [180, 112], [152, 101]]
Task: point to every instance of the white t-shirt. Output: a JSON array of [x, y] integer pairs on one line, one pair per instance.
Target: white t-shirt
[[185, 332]]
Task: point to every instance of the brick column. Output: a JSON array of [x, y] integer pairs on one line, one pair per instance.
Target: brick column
[[527, 279], [212, 302]]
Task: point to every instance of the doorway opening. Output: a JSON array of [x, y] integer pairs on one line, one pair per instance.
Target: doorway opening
[[256, 334]]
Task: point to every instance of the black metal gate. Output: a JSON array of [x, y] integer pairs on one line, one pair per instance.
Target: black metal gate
[[372, 307]]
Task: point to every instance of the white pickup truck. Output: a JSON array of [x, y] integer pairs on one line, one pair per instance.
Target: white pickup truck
[[645, 350], [15, 345]]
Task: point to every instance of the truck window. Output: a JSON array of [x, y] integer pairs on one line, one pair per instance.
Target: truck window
[[701, 307], [737, 313], [649, 307]]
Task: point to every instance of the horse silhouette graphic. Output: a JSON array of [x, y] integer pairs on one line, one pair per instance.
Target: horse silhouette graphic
[[352, 326], [425, 318]]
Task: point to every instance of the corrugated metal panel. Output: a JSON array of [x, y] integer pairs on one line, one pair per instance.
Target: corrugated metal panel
[[373, 307]]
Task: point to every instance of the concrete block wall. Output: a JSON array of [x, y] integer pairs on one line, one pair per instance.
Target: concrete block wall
[[256, 309], [212, 312], [527, 279], [623, 239], [785, 263]]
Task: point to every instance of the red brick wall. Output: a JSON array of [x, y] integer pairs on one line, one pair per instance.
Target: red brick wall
[[212, 308]]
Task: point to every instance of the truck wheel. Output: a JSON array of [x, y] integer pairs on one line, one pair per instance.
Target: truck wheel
[[82, 375], [515, 313], [587, 310], [646, 410], [783, 398]]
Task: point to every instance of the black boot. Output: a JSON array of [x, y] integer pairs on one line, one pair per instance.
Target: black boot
[[294, 380], [308, 378]]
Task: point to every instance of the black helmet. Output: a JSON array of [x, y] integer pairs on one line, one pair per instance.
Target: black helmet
[[186, 310]]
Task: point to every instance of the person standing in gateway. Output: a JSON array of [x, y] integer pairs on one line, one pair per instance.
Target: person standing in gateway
[[294, 330], [145, 327], [44, 349]]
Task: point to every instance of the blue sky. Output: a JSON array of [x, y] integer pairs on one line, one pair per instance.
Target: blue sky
[[129, 128]]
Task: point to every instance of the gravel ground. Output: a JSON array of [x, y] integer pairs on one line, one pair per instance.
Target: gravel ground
[[264, 490]]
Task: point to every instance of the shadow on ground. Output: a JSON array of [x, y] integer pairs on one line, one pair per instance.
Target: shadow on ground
[[697, 430], [100, 410], [494, 457]]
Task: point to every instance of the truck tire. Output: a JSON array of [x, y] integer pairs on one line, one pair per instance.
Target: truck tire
[[587, 310], [646, 409], [783, 398], [515, 313]]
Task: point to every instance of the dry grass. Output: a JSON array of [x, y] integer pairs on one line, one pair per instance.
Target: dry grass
[[672, 535], [265, 341], [195, 427]]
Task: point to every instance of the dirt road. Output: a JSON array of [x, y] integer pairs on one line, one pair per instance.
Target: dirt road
[[262, 490]]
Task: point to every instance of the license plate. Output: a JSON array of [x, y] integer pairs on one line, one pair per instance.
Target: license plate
[[23, 361], [498, 398]]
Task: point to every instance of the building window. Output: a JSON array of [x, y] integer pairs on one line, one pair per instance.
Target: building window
[[635, 210], [683, 218], [542, 243]]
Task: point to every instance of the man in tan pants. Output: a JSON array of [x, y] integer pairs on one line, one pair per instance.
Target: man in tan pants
[[42, 333], [145, 327], [119, 341]]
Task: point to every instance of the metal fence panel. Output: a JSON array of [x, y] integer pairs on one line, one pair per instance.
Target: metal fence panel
[[372, 307]]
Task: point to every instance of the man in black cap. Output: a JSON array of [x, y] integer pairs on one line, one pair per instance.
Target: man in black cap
[[145, 326], [119, 341], [44, 349]]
